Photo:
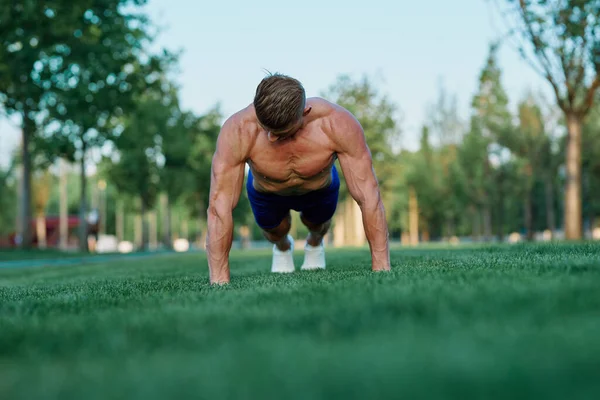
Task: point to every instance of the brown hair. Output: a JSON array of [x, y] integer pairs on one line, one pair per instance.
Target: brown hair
[[279, 101]]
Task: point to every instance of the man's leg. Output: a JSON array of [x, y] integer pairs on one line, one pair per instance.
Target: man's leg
[[283, 246], [316, 231], [279, 235], [314, 252]]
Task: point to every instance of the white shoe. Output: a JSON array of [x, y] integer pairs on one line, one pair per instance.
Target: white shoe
[[314, 257], [283, 261]]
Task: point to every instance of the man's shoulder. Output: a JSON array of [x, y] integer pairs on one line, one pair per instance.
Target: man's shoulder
[[243, 123], [337, 119], [323, 107], [239, 132], [326, 108]]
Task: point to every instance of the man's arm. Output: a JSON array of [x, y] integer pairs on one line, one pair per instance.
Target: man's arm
[[227, 177], [357, 167]]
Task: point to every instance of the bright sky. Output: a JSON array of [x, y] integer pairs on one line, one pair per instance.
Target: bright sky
[[409, 46]]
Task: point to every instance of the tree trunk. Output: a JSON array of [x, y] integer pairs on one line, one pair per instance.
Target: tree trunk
[[201, 236], [63, 207], [83, 226], [40, 226], [487, 223], [550, 216], [528, 215], [413, 217], [405, 238], [166, 224], [19, 208], [120, 221], [184, 228], [476, 215], [144, 225], [588, 201], [500, 218], [573, 178], [202, 228], [449, 227], [28, 130], [102, 209], [153, 230], [138, 236]]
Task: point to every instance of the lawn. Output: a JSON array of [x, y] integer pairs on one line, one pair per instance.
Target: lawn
[[16, 254], [489, 322]]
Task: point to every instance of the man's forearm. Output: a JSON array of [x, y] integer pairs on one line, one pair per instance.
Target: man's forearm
[[218, 245], [376, 231]]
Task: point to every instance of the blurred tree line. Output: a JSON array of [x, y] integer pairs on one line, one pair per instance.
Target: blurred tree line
[[89, 92]]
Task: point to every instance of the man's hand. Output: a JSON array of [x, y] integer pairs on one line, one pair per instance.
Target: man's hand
[[227, 178], [357, 167]]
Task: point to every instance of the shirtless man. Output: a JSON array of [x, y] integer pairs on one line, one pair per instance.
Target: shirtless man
[[290, 144]]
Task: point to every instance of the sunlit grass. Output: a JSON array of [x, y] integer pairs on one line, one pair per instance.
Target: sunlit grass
[[485, 322]]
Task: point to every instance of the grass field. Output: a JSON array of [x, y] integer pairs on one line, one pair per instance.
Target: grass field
[[11, 255], [490, 322]]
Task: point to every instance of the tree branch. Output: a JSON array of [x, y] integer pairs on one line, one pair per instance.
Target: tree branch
[[589, 98], [566, 67], [543, 58]]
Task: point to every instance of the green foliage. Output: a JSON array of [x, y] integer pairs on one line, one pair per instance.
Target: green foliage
[[135, 170], [205, 131]]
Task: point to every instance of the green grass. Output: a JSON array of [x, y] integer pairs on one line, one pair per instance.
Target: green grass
[[488, 322], [16, 254]]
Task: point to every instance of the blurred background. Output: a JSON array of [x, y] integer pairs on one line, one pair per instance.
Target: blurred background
[[483, 117]]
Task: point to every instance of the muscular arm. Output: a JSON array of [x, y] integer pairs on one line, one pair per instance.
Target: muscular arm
[[227, 177], [357, 167]]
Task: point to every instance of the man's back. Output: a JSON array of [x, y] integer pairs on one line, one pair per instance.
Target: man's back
[[297, 164]]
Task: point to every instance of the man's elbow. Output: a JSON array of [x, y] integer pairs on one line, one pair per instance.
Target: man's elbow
[[215, 213], [369, 199]]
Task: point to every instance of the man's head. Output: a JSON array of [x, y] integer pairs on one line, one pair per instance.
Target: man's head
[[280, 104]]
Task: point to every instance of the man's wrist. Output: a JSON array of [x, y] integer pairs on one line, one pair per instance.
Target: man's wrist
[[381, 263], [220, 276]]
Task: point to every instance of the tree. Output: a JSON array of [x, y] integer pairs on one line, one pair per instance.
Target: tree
[[423, 176], [78, 61], [491, 118], [42, 184], [560, 40], [448, 128], [177, 178], [475, 164], [135, 168], [528, 143], [108, 67], [31, 32]]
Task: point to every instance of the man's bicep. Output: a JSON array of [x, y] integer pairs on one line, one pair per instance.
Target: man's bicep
[[227, 174], [225, 186], [359, 175], [357, 165]]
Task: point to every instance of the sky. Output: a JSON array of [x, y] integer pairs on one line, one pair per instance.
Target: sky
[[409, 48]]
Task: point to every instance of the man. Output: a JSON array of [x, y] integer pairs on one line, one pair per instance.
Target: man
[[290, 144]]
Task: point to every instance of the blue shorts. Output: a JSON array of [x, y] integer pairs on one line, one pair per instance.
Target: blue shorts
[[316, 207]]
